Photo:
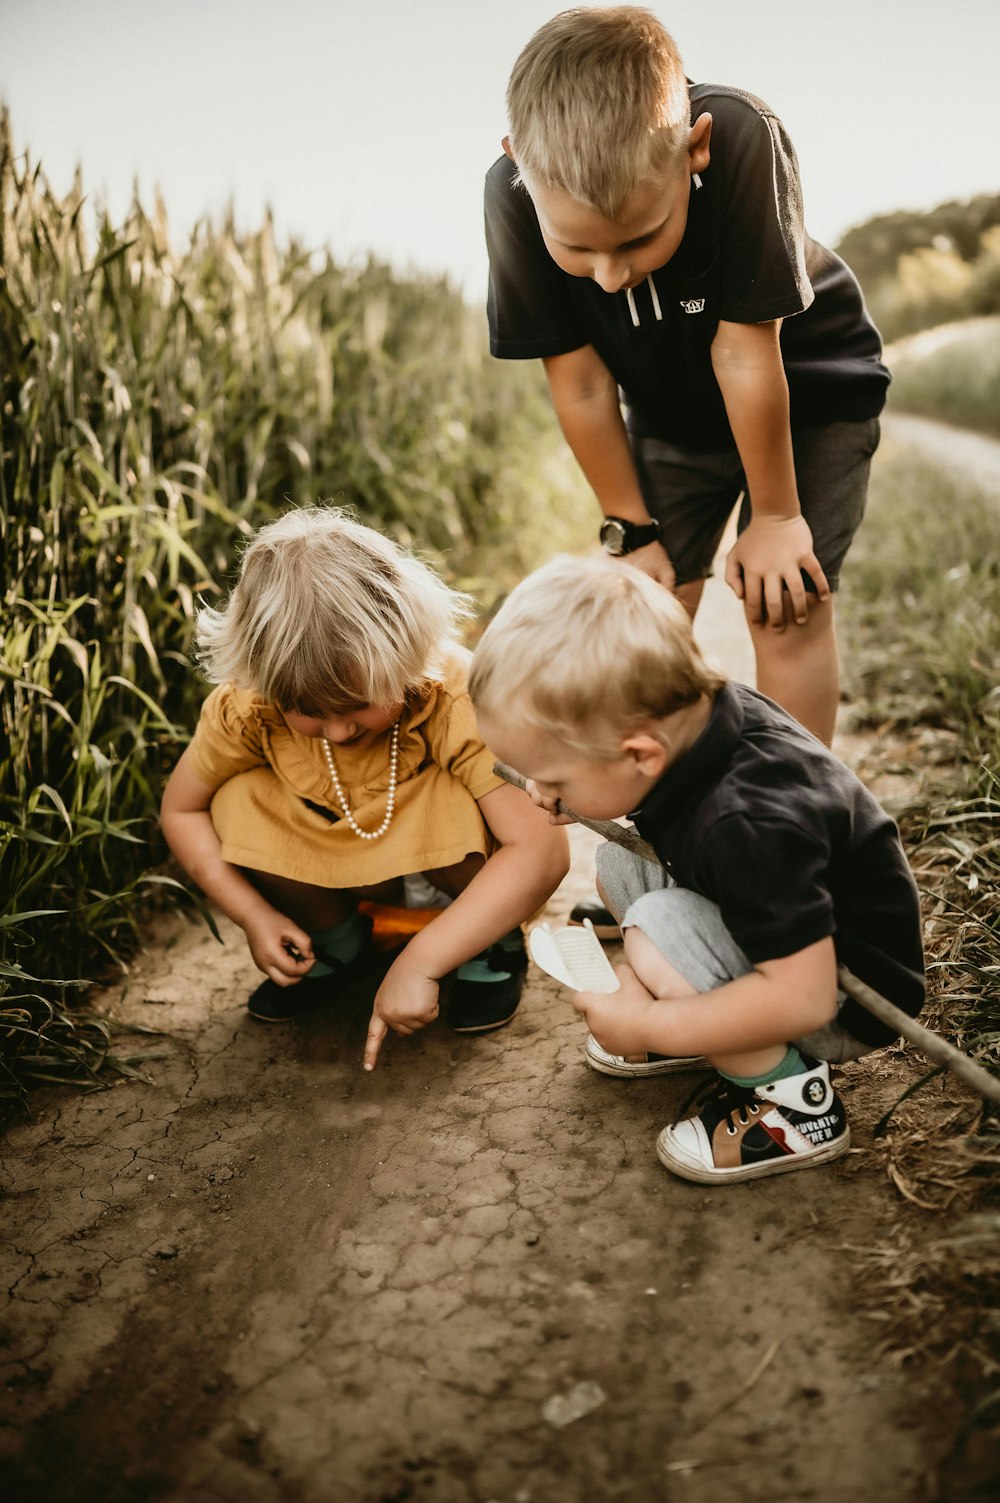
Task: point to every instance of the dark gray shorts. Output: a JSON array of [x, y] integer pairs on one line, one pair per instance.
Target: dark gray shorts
[[693, 493]]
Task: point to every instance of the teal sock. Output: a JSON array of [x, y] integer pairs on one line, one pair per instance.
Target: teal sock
[[477, 969], [343, 942], [792, 1064]]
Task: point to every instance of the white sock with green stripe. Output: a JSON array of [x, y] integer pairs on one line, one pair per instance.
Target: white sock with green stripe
[[792, 1064]]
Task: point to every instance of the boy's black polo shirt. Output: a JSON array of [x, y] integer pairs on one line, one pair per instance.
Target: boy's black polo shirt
[[745, 258], [759, 817]]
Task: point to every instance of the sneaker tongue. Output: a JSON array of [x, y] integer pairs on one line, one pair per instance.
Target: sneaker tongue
[[713, 1100]]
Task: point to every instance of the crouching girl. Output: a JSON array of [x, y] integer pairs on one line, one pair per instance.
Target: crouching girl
[[338, 755]]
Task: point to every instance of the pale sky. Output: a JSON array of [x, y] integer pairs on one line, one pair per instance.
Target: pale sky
[[368, 125]]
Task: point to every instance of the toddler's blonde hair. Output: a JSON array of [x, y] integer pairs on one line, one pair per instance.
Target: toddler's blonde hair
[[327, 615], [586, 651], [597, 103]]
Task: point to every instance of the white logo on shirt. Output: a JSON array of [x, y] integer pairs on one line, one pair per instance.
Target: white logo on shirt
[[694, 305]]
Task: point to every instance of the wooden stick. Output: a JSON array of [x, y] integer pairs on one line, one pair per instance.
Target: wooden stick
[[617, 833], [915, 1033], [931, 1044]]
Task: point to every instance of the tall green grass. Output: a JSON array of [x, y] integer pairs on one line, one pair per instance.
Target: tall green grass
[[157, 405]]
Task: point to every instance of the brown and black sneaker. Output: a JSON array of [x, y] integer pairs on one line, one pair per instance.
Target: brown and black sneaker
[[745, 1132]]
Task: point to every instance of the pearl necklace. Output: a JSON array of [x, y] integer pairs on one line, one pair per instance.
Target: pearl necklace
[[342, 796]]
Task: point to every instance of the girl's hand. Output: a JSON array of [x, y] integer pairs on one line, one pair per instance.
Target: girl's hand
[[278, 946], [766, 558], [620, 1021], [406, 1000]]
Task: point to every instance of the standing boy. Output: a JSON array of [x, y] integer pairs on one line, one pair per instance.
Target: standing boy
[[776, 864], [646, 237]]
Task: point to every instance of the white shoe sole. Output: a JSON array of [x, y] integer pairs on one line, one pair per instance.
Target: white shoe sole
[[702, 1175], [615, 1064]]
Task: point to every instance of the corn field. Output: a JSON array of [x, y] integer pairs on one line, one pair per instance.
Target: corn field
[[158, 406]]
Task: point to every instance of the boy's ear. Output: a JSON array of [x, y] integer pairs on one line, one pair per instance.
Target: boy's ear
[[699, 155], [505, 143], [648, 754]]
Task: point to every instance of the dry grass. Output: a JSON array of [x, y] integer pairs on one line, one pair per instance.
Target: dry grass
[[922, 609]]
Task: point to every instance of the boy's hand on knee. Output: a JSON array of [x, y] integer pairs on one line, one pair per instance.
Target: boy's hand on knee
[[406, 1000], [769, 557], [619, 1020], [279, 947], [653, 560]]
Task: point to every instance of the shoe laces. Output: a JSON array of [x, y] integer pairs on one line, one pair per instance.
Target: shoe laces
[[727, 1098]]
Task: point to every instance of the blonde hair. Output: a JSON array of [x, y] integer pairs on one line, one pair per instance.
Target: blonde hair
[[328, 614], [598, 102], [586, 651]]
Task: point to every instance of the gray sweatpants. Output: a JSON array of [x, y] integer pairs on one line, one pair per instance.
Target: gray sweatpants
[[688, 931]]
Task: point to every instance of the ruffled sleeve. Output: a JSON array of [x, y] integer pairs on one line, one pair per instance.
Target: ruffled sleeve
[[452, 733], [229, 737]]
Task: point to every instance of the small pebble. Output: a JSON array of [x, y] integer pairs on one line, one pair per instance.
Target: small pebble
[[563, 1408]]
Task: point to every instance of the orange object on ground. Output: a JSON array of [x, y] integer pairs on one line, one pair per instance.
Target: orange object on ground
[[392, 924]]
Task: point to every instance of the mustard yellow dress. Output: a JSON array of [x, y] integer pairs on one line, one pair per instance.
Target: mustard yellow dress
[[275, 809]]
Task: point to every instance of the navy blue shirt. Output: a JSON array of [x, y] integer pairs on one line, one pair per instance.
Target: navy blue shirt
[[745, 258], [760, 818]]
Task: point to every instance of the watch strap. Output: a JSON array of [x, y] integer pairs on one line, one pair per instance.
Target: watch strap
[[627, 536]]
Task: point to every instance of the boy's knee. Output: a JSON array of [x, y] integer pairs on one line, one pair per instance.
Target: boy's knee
[[673, 911], [815, 635], [688, 931], [652, 967]]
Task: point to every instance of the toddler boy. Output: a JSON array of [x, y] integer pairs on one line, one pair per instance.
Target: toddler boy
[[777, 864], [646, 238]]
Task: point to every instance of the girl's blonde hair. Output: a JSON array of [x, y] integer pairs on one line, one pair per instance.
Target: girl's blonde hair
[[597, 103], [586, 651], [328, 614]]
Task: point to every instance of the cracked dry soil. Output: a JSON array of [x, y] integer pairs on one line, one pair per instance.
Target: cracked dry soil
[[269, 1276]]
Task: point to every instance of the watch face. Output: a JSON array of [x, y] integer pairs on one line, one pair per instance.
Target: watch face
[[613, 536]]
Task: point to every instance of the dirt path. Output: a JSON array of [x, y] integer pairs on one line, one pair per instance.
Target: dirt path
[[268, 1276], [975, 455]]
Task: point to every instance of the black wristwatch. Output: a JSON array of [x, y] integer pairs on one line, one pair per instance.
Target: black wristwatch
[[619, 536]]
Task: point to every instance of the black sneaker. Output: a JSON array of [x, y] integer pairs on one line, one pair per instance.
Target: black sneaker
[[604, 922], [271, 1003], [479, 1006], [745, 1132]]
